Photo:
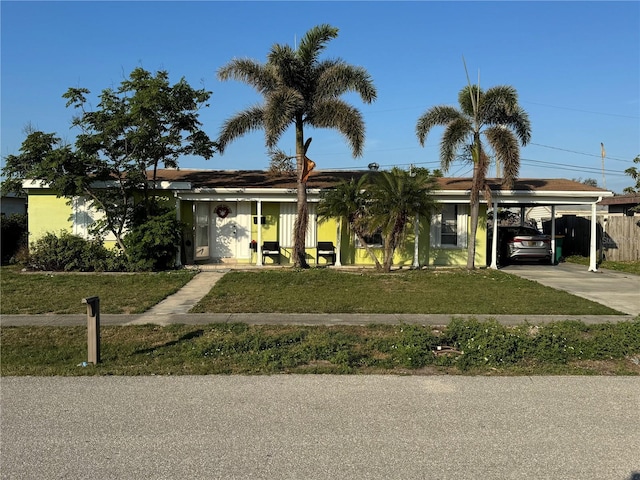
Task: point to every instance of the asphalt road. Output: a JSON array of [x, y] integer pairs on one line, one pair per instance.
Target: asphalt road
[[320, 427]]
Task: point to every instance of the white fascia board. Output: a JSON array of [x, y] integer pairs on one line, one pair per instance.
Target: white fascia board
[[517, 197], [164, 185], [550, 198], [34, 184], [245, 195]]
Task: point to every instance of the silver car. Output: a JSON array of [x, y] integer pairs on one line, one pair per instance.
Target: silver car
[[522, 243]]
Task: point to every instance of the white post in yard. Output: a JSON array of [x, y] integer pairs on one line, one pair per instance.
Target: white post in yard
[[178, 217], [494, 240], [593, 267], [259, 224], [553, 234], [416, 240]]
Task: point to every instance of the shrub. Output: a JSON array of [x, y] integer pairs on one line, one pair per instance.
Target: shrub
[[68, 252], [153, 243], [13, 235]]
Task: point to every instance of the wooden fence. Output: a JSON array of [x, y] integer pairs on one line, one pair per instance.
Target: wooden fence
[[622, 239]]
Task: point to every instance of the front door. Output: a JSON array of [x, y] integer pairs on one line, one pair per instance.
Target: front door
[[201, 215], [224, 231]]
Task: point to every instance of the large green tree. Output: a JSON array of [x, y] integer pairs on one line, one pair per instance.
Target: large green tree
[[494, 115], [144, 123], [300, 90]]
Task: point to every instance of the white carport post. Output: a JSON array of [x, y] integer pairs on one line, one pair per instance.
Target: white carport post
[[494, 240], [338, 243], [593, 267], [259, 223], [178, 218], [416, 242], [553, 234]]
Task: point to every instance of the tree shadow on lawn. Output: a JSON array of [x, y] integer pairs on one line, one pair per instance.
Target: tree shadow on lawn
[[183, 338]]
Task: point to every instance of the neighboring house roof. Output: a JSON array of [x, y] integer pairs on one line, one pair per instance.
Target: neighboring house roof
[[632, 199]]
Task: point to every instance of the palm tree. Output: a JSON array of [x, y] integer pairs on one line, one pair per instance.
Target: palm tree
[[347, 201], [396, 198], [494, 114], [300, 90]]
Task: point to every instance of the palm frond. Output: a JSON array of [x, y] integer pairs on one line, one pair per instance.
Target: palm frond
[[440, 115], [240, 124], [456, 135], [467, 97], [249, 71], [279, 113], [505, 145], [314, 42], [336, 113], [337, 77]]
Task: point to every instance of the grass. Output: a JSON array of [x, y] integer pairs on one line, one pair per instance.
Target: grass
[[37, 293], [481, 292], [626, 267], [463, 347]]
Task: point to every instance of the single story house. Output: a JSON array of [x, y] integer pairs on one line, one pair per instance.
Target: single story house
[[229, 215]]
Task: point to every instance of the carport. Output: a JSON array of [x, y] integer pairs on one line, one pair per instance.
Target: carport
[[548, 193]]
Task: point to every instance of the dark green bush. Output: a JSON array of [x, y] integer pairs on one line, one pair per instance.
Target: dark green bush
[[153, 243], [13, 235], [67, 252]]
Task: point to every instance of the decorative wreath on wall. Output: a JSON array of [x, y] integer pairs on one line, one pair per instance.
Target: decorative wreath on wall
[[222, 211]]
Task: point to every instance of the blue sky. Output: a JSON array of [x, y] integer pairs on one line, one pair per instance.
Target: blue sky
[[575, 65]]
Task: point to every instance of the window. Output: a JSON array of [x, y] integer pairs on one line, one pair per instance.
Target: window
[[373, 240], [449, 231], [449, 227]]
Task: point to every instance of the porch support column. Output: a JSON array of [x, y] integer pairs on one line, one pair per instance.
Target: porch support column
[[494, 239], [553, 234], [522, 213], [593, 267], [416, 242], [338, 243], [178, 217], [259, 224]]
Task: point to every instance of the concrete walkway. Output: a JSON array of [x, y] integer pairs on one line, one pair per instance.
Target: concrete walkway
[[182, 301]]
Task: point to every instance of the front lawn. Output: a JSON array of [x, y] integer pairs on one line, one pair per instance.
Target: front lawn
[[481, 292], [39, 292]]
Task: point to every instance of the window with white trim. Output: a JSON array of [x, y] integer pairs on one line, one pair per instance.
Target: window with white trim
[[449, 227]]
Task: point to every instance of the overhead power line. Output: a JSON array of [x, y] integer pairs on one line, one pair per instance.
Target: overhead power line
[[579, 153]]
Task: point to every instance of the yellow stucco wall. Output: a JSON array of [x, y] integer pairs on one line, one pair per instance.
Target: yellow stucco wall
[[47, 213]]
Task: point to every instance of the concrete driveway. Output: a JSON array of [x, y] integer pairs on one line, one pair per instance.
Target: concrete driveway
[[620, 291]]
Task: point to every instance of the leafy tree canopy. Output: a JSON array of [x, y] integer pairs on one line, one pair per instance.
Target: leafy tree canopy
[[143, 123]]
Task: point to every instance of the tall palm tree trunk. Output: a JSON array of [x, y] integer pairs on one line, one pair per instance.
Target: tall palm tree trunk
[[475, 201], [302, 217]]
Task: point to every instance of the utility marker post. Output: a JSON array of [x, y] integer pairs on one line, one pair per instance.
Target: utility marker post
[[93, 329]]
